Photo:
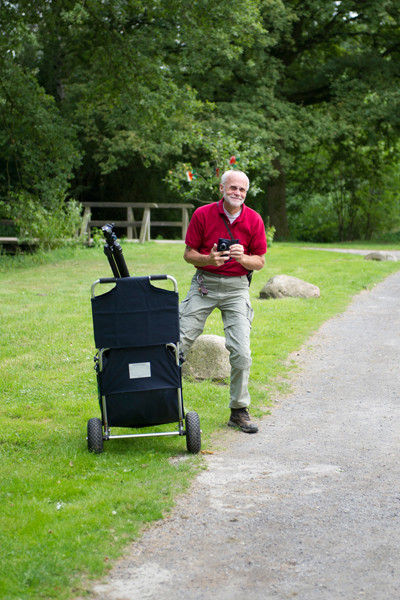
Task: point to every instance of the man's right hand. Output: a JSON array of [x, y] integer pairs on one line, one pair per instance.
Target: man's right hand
[[217, 259]]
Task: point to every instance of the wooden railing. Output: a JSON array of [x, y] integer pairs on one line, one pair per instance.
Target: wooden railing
[[130, 223], [10, 244]]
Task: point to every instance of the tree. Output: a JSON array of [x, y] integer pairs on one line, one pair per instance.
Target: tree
[[148, 91], [339, 72], [357, 198], [314, 70], [116, 69], [37, 148]]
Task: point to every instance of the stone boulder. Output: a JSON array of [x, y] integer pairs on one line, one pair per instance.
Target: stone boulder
[[380, 255], [207, 359], [285, 286]]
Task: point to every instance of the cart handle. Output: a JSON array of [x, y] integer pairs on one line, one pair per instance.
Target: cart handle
[[155, 277], [102, 280], [151, 278]]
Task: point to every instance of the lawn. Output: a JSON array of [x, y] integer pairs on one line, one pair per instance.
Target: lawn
[[67, 514]]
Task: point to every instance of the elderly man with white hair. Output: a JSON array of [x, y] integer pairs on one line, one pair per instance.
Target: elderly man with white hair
[[222, 279]]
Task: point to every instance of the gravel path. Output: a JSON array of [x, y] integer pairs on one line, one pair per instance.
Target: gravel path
[[395, 253], [308, 508]]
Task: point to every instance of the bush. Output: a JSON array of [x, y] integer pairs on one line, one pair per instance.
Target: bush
[[315, 221], [52, 227]]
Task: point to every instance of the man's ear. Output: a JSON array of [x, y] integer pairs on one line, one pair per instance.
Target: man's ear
[[221, 188]]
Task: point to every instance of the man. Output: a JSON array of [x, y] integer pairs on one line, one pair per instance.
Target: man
[[221, 281]]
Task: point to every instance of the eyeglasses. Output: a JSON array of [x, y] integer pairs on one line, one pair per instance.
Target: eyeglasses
[[235, 188]]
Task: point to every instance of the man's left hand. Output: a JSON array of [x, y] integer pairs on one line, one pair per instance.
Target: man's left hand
[[253, 262], [236, 252]]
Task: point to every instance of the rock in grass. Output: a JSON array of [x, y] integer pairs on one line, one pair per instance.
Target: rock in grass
[[285, 286], [207, 359], [380, 255]]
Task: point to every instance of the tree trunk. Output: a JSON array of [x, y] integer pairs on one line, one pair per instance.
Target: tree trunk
[[276, 195]]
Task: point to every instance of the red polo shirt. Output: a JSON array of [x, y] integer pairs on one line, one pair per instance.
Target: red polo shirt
[[207, 226]]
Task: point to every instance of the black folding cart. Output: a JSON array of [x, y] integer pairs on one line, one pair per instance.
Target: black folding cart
[[136, 332]]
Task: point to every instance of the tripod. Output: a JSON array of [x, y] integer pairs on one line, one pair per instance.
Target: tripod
[[113, 251]]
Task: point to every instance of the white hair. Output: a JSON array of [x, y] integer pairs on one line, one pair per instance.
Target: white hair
[[228, 173]]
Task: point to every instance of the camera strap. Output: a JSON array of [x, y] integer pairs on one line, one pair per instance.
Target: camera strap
[[227, 226], [249, 273]]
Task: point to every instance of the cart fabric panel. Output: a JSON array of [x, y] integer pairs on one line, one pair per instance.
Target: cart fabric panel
[[142, 409], [137, 369], [140, 386], [135, 313]]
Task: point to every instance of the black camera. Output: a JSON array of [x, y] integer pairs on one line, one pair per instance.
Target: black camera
[[225, 244], [109, 233]]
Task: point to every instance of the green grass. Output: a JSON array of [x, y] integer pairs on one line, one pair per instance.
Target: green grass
[[67, 514]]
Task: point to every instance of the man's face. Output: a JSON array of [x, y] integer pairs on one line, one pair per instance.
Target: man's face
[[234, 191]]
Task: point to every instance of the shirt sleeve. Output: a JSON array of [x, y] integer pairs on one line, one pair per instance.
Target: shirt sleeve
[[194, 234], [259, 240]]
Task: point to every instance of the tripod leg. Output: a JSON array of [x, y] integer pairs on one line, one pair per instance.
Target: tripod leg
[[119, 260], [109, 253]]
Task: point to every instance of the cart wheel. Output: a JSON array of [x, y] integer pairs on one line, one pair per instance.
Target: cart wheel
[[193, 432], [95, 435]]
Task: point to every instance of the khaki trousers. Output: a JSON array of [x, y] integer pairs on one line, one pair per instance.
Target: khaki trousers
[[231, 296]]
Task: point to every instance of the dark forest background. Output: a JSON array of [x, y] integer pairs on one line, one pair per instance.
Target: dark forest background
[[117, 100]]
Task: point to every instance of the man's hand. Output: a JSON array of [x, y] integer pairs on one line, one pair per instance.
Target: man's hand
[[252, 262], [217, 259], [236, 252]]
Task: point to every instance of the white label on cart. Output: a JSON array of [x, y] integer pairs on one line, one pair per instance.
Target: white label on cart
[[139, 370]]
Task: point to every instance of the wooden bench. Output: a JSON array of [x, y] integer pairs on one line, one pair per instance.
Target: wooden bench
[[131, 224]]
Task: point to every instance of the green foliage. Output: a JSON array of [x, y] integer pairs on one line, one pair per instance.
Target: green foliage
[[270, 235], [99, 96], [97, 237], [126, 93], [324, 76], [314, 220], [51, 226], [337, 200], [219, 152], [37, 147]]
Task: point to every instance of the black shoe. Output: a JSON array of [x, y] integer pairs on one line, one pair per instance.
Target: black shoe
[[240, 418]]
